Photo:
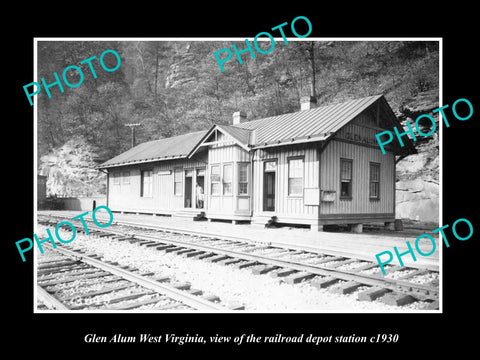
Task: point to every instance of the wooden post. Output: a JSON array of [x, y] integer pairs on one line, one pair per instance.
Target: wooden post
[[356, 228]]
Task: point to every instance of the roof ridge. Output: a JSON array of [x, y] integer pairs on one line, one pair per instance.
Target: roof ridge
[[315, 124], [170, 137], [305, 111]]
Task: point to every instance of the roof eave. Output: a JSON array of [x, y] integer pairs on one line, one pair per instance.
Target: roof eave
[[126, 163]]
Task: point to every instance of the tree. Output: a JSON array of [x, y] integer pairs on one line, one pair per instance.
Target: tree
[[70, 170]]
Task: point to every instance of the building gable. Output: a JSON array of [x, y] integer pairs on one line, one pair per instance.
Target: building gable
[[373, 120], [223, 135]]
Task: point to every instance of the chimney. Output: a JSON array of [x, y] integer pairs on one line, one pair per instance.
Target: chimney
[[308, 102], [239, 117]]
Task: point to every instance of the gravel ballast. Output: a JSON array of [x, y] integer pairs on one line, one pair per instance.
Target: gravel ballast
[[258, 293]]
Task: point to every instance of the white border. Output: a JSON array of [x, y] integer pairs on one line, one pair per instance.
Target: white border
[[337, 39]]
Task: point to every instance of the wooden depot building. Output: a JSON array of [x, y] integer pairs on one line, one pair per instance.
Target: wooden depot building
[[320, 165]]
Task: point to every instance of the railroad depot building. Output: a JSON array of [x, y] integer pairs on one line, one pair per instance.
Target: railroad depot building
[[318, 166]]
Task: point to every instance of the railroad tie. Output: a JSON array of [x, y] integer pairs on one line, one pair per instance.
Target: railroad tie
[[372, 294], [298, 277], [262, 269], [217, 258], [245, 264], [346, 288], [204, 256], [321, 283], [281, 272], [153, 244], [93, 255], [161, 279], [114, 263], [180, 252], [58, 265], [62, 270], [78, 274], [172, 249], [123, 238], [211, 297], [146, 274], [235, 306], [128, 268], [103, 235], [397, 299], [96, 293], [194, 254], [163, 247], [229, 261], [182, 285], [195, 291]]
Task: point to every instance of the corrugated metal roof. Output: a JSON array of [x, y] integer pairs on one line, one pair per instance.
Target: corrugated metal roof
[[306, 124], [242, 135], [316, 124], [157, 150]]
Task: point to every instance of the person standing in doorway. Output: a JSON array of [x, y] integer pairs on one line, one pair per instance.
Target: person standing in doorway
[[200, 196]]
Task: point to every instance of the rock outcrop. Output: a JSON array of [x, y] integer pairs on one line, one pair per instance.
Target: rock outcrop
[[417, 186], [182, 71]]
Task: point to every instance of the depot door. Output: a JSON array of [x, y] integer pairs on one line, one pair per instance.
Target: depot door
[[200, 188], [269, 175], [188, 189]]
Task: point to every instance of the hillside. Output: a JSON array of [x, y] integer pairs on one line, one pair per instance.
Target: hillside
[[174, 87]]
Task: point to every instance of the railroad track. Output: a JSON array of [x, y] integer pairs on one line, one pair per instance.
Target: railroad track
[[339, 273], [72, 280]]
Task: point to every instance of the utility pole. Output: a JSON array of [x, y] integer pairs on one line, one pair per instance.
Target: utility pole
[[132, 127]]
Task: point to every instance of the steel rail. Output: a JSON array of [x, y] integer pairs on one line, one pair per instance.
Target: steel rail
[[179, 295], [306, 248], [50, 301], [418, 291]]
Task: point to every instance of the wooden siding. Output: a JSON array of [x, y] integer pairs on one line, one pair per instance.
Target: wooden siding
[[354, 142], [126, 197], [167, 201], [287, 208], [228, 206], [321, 172]]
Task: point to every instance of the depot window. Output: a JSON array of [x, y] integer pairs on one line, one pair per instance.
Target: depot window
[[178, 181], [116, 177], [374, 181], [126, 177], [215, 180], [243, 178], [227, 179], [295, 177], [346, 169], [146, 183]]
